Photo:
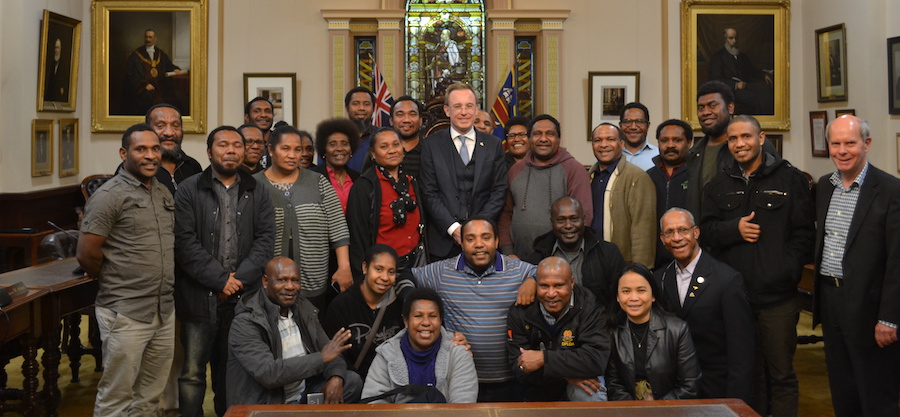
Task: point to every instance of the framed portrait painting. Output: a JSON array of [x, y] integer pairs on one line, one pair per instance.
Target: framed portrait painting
[[608, 93], [743, 44], [59, 58], [831, 63], [68, 147], [41, 147], [147, 53], [279, 89], [893, 45]]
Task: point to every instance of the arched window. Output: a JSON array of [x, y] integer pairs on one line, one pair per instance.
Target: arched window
[[445, 45]]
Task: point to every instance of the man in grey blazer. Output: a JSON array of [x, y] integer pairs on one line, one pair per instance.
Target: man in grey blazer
[[857, 283], [460, 179]]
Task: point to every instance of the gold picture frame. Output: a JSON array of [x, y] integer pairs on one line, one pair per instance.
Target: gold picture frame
[[766, 91], [59, 57], [68, 147], [124, 72], [41, 147], [831, 64]]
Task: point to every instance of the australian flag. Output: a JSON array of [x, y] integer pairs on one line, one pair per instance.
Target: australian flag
[[505, 105], [383, 100]]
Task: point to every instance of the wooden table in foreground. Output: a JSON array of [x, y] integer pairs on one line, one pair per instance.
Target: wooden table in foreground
[[681, 408], [23, 324], [65, 293]]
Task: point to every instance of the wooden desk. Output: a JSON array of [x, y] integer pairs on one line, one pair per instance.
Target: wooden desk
[[682, 408], [65, 294], [28, 242], [24, 323]]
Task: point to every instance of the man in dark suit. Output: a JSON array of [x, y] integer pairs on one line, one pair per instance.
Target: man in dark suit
[[460, 179], [709, 296], [857, 288]]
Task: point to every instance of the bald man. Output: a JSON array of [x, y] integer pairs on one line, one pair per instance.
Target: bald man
[[279, 353], [559, 346]]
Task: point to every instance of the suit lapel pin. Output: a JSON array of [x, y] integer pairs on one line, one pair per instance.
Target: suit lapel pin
[[481, 143], [700, 280], [695, 287], [691, 294]]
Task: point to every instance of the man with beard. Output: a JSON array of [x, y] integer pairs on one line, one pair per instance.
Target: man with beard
[[549, 168], [635, 122], [758, 218], [56, 76], [255, 146], [709, 155], [224, 235], [669, 174], [752, 87], [147, 76], [165, 119], [261, 113], [406, 117], [360, 105]]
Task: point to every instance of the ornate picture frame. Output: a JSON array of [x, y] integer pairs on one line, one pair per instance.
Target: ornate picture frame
[[608, 93], [60, 54], [831, 64], [41, 147], [760, 73], [817, 122], [68, 147], [126, 80], [279, 88], [893, 45]]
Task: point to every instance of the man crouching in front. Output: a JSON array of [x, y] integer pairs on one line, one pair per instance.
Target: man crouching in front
[[279, 353]]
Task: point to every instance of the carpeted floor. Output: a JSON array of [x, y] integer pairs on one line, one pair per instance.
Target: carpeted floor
[[809, 361]]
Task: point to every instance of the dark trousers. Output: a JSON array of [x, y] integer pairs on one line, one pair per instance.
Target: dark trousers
[[863, 377], [205, 342], [776, 389]]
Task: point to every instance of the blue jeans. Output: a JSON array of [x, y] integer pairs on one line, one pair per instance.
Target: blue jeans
[[574, 393], [204, 342]]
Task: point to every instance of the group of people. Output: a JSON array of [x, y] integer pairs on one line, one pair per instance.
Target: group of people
[[400, 268]]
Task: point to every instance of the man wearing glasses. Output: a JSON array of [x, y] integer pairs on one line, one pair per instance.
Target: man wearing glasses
[[709, 296], [255, 147], [634, 122], [466, 175], [547, 173]]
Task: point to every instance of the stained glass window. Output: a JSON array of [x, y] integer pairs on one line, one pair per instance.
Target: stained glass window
[[365, 58], [525, 75], [445, 45]]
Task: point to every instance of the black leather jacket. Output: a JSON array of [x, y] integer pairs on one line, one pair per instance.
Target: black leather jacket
[[672, 368]]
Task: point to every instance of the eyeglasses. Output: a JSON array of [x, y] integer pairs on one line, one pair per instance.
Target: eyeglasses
[[626, 122], [517, 135], [682, 231], [250, 143]]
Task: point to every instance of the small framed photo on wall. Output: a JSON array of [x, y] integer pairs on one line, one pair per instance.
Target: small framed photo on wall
[[894, 75], [817, 122], [608, 93], [41, 147], [68, 147], [279, 89], [831, 63]]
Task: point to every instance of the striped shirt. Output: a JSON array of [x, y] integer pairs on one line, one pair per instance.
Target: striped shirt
[[477, 306], [291, 347], [837, 223]]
